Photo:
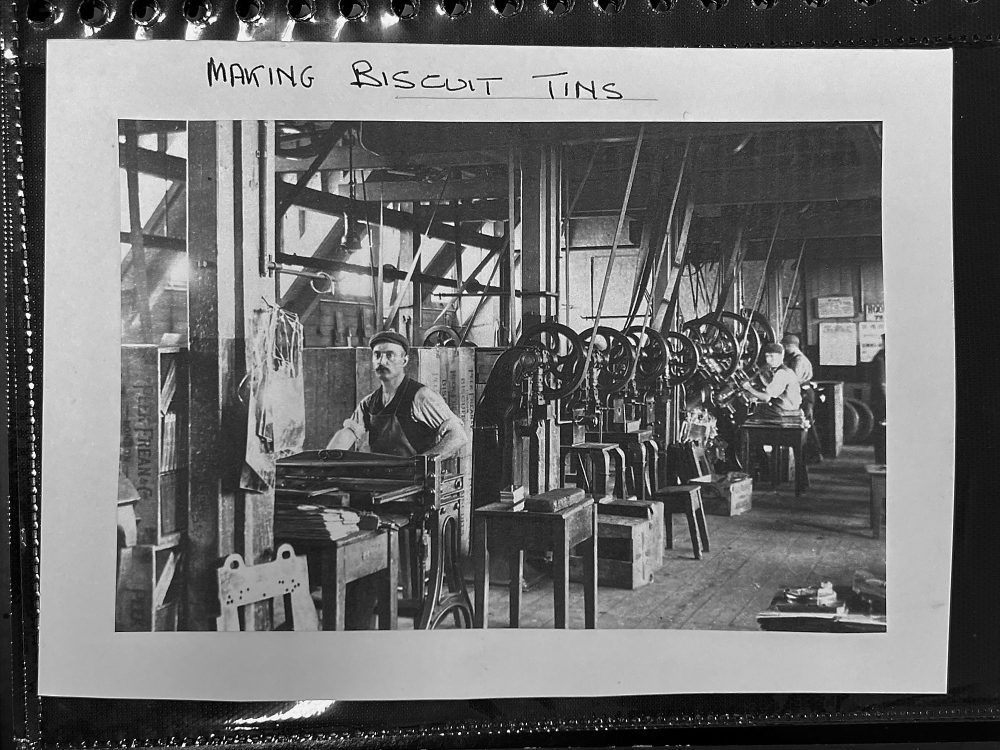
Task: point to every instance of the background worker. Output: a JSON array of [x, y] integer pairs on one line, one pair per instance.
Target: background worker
[[781, 393], [799, 363]]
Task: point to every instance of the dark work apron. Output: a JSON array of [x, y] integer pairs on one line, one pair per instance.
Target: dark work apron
[[393, 430]]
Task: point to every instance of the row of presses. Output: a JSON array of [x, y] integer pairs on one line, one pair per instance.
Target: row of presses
[[608, 404]]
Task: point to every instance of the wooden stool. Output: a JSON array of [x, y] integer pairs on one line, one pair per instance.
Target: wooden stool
[[595, 463], [352, 557], [758, 435], [876, 497], [641, 459], [686, 499], [512, 532]]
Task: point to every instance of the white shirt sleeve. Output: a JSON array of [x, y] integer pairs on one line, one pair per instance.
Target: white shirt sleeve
[[779, 383], [430, 408], [356, 423]]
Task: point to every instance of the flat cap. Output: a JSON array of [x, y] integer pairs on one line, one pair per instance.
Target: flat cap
[[390, 337], [773, 349]]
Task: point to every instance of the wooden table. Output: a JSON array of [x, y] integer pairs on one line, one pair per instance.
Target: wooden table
[[514, 532], [758, 435], [876, 497], [355, 556]]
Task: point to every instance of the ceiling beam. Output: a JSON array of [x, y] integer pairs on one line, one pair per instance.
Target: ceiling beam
[[339, 160], [765, 185], [417, 190], [335, 205], [853, 219], [735, 187], [157, 164], [474, 211], [157, 241], [816, 249]]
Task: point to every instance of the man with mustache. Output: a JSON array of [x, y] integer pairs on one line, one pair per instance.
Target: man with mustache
[[402, 418]]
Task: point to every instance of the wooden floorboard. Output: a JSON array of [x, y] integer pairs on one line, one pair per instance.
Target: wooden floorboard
[[782, 541]]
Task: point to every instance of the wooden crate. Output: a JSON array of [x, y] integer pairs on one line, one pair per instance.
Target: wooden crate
[[644, 510], [627, 550], [154, 438], [726, 494], [149, 593], [330, 382]]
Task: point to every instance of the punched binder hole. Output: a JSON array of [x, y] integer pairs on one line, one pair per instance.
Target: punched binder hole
[[300, 10], [42, 14], [404, 9], [145, 12], [714, 4], [455, 8], [353, 10], [197, 12], [611, 7], [95, 13], [249, 11], [661, 6], [507, 8], [558, 7]]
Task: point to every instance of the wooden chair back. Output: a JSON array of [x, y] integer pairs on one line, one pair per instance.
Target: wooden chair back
[[285, 581], [687, 461]]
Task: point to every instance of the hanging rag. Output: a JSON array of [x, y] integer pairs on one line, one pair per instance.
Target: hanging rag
[[276, 395]]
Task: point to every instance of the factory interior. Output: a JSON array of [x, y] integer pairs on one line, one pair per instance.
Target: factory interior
[[634, 376]]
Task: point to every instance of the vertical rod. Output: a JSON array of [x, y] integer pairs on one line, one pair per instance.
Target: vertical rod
[[513, 180]]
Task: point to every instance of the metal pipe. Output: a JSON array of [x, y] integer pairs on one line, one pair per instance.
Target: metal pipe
[[389, 271], [314, 275]]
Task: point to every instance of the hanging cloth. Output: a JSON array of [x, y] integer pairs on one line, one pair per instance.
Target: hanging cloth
[[276, 395]]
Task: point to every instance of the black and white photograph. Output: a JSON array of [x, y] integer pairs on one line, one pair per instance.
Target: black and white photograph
[[575, 383], [381, 375]]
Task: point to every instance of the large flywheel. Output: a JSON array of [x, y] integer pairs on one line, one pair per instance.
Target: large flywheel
[[441, 336], [652, 354], [718, 346], [747, 337], [760, 324], [684, 358], [617, 355], [563, 357]]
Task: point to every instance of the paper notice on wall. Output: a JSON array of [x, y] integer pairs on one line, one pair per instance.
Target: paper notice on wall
[[870, 339], [835, 307], [838, 344]]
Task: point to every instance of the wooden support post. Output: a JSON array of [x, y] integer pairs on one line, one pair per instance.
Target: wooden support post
[[211, 324], [231, 228], [550, 307], [508, 276], [254, 191], [534, 235]]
